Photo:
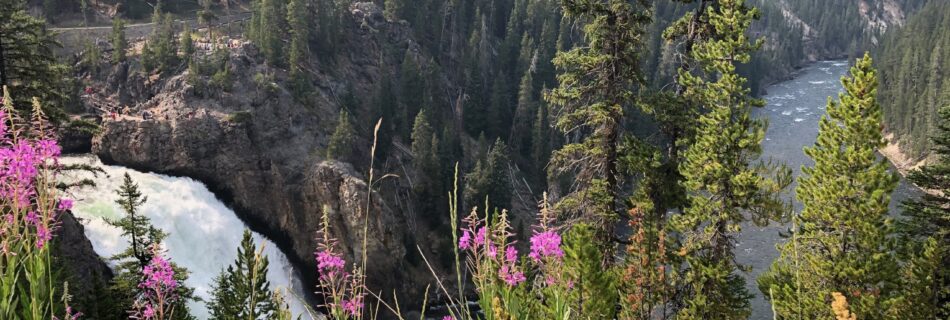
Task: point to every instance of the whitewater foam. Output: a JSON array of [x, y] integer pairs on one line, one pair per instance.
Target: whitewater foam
[[203, 233]]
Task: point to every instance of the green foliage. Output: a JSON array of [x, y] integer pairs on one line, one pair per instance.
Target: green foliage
[[343, 139], [843, 239], [28, 66], [489, 180], [594, 294], [160, 52], [915, 78], [427, 185], [240, 117], [144, 239], [591, 102], [928, 221], [119, 43], [720, 179], [243, 291], [268, 19], [298, 19]]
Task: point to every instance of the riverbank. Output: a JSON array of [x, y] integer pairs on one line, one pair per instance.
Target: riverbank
[[903, 162]]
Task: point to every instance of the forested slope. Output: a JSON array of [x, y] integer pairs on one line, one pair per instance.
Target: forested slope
[[915, 78]]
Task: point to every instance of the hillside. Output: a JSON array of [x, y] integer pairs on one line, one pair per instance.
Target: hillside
[[915, 79]]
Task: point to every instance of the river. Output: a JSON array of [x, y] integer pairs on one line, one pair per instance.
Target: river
[[793, 109], [203, 232]]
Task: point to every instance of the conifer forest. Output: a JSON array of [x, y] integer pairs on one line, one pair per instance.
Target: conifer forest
[[474, 159]]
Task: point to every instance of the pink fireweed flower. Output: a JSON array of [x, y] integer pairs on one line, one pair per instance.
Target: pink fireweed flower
[[546, 244], [511, 254], [31, 217], [492, 250], [329, 264], [510, 275], [47, 149], [65, 204], [353, 306], [43, 236], [480, 236], [158, 275], [448, 318], [149, 312], [465, 241]]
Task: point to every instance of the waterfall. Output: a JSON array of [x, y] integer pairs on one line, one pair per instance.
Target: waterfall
[[203, 233]]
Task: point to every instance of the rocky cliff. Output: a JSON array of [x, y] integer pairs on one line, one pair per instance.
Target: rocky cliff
[[262, 151]]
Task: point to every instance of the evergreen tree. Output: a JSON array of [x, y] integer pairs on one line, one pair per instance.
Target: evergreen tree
[[594, 293], [143, 240], [28, 67], [268, 32], [489, 179], [928, 220], [242, 292], [298, 19], [342, 141], [524, 112], [591, 101], [187, 45], [721, 183], [842, 240], [427, 185], [207, 17], [119, 43], [412, 91]]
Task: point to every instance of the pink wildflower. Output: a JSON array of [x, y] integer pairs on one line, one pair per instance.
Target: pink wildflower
[[159, 275], [149, 312], [329, 264], [480, 236], [65, 204], [546, 244], [511, 254], [510, 275], [48, 149], [492, 250], [465, 241], [353, 306], [42, 236], [31, 217], [448, 318]]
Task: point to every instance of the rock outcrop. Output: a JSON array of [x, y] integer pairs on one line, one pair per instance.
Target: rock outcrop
[[262, 152], [83, 267]]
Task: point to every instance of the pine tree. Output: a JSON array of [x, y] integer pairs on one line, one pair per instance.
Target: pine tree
[[242, 292], [267, 21], [721, 182], [298, 19], [842, 240], [489, 180], [594, 293], [119, 43], [591, 101], [928, 220], [412, 90], [427, 185], [28, 66], [187, 45], [524, 111], [207, 17], [342, 141], [143, 239]]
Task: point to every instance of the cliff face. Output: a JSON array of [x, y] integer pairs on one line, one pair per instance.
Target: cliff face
[[262, 152], [83, 266]]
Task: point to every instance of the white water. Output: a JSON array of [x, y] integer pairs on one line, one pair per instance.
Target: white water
[[203, 233]]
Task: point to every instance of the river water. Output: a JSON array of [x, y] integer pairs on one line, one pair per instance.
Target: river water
[[203, 232], [793, 109]]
